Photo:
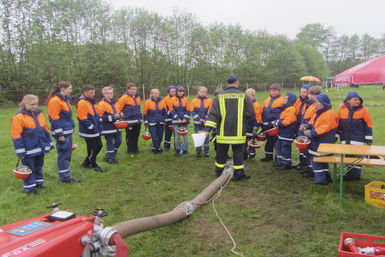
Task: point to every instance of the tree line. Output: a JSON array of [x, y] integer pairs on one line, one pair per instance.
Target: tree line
[[87, 42]]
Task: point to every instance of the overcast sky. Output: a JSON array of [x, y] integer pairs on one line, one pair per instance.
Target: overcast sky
[[277, 16]]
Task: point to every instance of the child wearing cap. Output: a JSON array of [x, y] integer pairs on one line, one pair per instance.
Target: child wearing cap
[[287, 126], [271, 110], [180, 113], [154, 115], [252, 125], [200, 108], [354, 127], [320, 129]]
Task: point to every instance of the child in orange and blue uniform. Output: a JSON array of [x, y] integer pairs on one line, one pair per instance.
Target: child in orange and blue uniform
[[320, 129], [107, 111], [301, 105], [168, 122], [287, 124], [200, 108], [252, 125], [90, 127], [129, 104], [154, 115], [180, 113], [62, 127], [31, 139], [307, 170], [271, 110], [354, 127]]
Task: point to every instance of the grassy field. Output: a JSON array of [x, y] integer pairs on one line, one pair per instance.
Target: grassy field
[[275, 213]]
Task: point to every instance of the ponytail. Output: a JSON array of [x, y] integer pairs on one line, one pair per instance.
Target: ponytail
[[57, 86]]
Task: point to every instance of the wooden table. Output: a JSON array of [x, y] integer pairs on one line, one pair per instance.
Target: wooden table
[[363, 153]]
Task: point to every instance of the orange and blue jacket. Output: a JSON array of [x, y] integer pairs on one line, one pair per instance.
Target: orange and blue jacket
[[107, 110], [179, 109], [323, 128], [60, 115], [155, 112], [130, 106], [30, 134], [89, 119], [271, 110], [309, 113], [354, 125], [287, 121], [301, 105], [167, 101], [255, 122], [200, 108]]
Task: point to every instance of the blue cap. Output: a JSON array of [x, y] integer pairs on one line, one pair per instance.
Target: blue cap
[[324, 100], [231, 80], [353, 94], [169, 88], [306, 86], [292, 98]]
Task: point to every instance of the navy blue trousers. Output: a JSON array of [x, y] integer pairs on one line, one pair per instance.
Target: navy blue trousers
[[36, 178], [64, 153], [113, 143], [167, 136], [156, 135], [269, 146], [283, 150]]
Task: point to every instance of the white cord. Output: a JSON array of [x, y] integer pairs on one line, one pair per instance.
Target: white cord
[[227, 231]]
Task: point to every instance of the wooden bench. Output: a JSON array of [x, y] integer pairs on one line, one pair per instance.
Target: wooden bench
[[364, 152]]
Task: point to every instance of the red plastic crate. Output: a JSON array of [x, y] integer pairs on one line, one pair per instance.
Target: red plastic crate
[[362, 241]]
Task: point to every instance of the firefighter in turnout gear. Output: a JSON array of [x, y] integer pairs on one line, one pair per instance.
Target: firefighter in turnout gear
[[229, 114]]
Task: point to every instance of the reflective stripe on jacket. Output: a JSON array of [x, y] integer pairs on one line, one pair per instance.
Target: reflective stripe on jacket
[[256, 121], [155, 112], [229, 113], [30, 134], [180, 109], [60, 115], [107, 110], [89, 119], [309, 113], [354, 125], [130, 106], [323, 129], [200, 107], [271, 109]]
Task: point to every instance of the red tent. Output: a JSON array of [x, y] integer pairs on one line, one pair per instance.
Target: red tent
[[371, 71]]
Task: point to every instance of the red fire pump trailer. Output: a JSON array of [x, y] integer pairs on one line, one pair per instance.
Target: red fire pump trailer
[[65, 234], [60, 234]]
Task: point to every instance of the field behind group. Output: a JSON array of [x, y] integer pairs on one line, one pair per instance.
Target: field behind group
[[275, 213]]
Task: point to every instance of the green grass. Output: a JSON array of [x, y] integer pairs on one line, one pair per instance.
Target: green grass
[[275, 213]]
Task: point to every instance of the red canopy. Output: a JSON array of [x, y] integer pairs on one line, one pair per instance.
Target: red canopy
[[371, 71]]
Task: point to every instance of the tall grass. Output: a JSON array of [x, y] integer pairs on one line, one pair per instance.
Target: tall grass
[[275, 213]]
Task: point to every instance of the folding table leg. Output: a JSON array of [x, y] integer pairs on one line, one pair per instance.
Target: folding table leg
[[335, 175], [341, 177]]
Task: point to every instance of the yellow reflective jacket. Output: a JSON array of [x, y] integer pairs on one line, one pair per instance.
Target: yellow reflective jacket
[[229, 114]]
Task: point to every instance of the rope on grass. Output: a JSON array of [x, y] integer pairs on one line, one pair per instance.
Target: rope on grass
[[212, 199]]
